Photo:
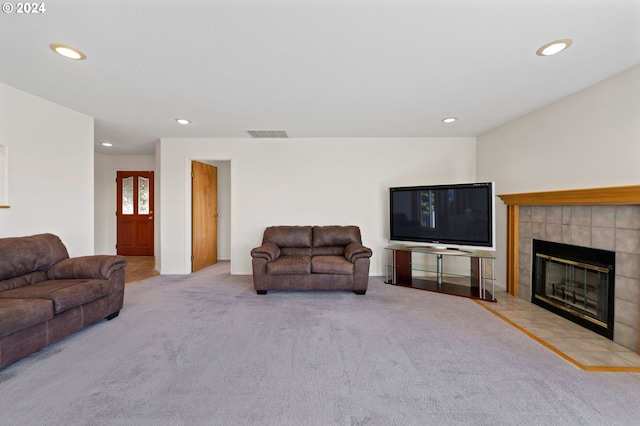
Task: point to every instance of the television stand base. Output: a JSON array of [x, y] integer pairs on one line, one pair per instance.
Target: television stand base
[[425, 274], [447, 288]]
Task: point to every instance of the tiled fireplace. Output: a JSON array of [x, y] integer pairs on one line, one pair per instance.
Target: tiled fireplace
[[608, 227]]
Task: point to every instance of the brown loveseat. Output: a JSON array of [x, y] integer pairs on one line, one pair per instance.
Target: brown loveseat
[[311, 258], [45, 295]]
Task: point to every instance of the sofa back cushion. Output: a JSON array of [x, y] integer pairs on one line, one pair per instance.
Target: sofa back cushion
[[333, 236], [22, 280], [288, 236], [25, 260]]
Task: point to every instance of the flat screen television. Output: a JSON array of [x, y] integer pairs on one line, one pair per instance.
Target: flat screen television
[[454, 216]]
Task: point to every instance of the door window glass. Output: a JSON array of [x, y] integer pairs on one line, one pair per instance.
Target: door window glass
[[127, 195], [143, 195]]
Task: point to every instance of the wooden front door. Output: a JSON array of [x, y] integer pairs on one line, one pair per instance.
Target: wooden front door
[[134, 213], [204, 215]]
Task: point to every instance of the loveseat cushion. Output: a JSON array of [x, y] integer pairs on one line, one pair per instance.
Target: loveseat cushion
[[22, 255], [65, 294], [22, 280], [295, 251], [288, 236], [290, 265], [331, 265], [18, 314], [328, 236], [328, 251]]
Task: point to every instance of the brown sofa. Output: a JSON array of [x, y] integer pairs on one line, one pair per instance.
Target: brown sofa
[[45, 295], [311, 258]]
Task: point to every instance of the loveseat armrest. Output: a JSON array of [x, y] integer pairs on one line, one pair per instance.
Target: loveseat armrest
[[268, 251], [99, 266], [355, 251]]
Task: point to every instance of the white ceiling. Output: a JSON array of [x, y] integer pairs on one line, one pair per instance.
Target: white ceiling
[[314, 68]]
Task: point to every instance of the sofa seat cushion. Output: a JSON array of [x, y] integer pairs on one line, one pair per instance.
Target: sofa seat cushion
[[328, 251], [65, 294], [331, 265], [290, 265], [18, 314], [295, 251]]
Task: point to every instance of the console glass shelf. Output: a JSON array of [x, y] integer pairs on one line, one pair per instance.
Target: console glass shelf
[[457, 272]]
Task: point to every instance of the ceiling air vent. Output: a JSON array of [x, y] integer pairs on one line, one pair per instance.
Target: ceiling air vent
[[267, 133]]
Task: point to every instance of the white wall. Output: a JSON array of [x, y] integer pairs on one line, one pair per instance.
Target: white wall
[[106, 167], [49, 169], [301, 182], [590, 139]]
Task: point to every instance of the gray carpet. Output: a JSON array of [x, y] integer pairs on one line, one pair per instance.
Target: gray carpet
[[205, 349]]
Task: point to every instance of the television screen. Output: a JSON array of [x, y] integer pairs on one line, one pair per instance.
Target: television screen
[[448, 216]]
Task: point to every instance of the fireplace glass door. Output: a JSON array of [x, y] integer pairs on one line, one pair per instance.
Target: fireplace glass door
[[580, 290]]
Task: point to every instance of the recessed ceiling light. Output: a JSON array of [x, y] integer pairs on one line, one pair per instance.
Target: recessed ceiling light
[[106, 144], [68, 52], [449, 120], [554, 47], [183, 121]]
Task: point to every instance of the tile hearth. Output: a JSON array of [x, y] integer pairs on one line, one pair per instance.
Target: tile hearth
[[584, 348]]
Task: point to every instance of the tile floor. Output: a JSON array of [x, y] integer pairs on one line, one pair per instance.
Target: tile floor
[[582, 347]]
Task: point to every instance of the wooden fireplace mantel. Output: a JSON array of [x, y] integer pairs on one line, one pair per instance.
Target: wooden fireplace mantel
[[609, 195], [613, 195]]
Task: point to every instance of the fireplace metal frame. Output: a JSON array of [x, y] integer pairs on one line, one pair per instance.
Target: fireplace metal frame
[[597, 259]]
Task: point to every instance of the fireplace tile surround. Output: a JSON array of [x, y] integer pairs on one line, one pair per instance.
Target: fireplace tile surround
[[583, 221], [614, 228]]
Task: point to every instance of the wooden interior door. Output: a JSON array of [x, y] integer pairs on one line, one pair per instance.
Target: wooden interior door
[[134, 213], [204, 215]]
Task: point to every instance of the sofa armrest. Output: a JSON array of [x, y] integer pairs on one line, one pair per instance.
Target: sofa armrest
[[268, 251], [99, 266], [356, 251]]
